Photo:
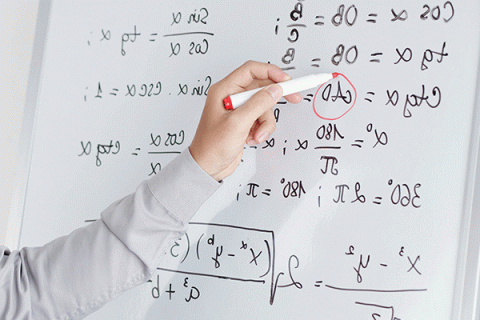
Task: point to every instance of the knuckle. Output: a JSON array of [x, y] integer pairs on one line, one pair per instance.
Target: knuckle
[[249, 63], [213, 88], [270, 125], [273, 125], [216, 92]]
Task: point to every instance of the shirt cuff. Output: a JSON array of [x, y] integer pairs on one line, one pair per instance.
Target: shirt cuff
[[183, 186]]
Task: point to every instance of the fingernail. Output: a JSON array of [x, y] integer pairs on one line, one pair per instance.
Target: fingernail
[[263, 137], [251, 142], [275, 91]]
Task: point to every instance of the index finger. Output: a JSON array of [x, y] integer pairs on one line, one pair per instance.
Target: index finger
[[242, 77]]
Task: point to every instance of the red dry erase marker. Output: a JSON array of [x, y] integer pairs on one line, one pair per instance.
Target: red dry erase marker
[[289, 87]]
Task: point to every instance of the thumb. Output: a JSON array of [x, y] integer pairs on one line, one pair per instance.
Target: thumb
[[260, 102]]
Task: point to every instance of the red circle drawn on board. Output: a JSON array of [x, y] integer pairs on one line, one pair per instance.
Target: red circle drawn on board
[[318, 90]]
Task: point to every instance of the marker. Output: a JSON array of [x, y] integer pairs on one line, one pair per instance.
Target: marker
[[289, 87]]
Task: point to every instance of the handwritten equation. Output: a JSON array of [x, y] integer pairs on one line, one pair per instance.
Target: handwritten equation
[[234, 253], [350, 16], [170, 143], [398, 194], [194, 42], [146, 90]]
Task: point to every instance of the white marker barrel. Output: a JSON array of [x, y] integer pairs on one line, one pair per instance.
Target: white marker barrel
[[289, 87]]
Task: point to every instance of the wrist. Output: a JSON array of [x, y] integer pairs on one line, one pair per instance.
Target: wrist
[[217, 169], [203, 163]]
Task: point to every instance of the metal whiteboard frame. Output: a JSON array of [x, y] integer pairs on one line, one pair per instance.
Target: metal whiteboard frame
[[466, 291], [15, 216]]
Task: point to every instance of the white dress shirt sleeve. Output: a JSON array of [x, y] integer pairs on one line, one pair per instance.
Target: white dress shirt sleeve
[[75, 275]]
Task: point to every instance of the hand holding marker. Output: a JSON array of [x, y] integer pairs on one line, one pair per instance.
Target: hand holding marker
[[289, 87]]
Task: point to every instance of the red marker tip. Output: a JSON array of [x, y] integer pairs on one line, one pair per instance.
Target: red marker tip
[[336, 74]]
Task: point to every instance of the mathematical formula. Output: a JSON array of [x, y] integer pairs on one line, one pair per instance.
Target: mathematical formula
[[233, 253]]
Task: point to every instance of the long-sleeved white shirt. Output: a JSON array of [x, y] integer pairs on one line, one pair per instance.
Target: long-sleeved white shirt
[[75, 275]]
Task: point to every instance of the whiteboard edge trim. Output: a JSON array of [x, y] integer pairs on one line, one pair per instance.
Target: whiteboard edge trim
[[17, 206]]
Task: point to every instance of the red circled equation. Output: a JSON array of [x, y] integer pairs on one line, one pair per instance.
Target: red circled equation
[[334, 106]]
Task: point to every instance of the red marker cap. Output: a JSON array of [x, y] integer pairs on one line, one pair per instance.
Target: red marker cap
[[227, 102]]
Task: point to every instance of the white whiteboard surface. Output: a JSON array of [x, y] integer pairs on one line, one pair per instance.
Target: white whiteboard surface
[[372, 214]]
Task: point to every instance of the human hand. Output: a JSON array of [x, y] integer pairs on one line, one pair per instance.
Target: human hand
[[221, 134]]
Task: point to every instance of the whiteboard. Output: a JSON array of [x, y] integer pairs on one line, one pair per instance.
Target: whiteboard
[[361, 205]]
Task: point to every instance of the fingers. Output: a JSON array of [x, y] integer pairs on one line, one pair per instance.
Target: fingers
[[250, 139], [263, 128], [294, 98], [221, 134], [259, 103], [249, 76], [241, 79], [259, 110]]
